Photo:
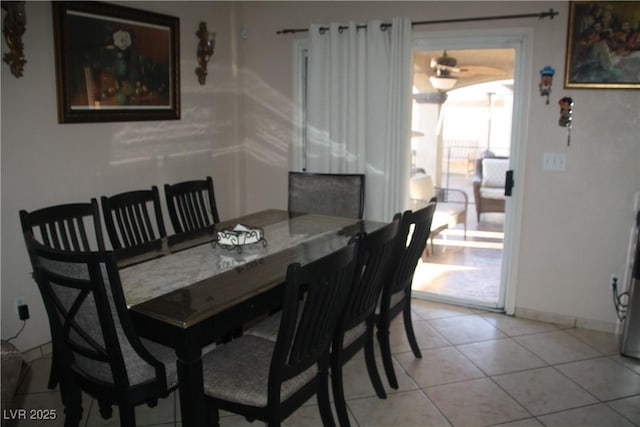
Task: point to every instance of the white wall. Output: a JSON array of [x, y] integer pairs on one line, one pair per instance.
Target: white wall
[[574, 227], [45, 163], [576, 224]]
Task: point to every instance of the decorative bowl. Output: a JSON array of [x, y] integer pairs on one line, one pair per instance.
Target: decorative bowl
[[239, 236]]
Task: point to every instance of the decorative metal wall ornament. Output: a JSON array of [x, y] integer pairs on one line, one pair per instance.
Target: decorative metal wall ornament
[[205, 51], [566, 112], [546, 79], [14, 26]]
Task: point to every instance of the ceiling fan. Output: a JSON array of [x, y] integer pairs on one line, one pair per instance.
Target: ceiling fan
[[445, 73], [443, 66]]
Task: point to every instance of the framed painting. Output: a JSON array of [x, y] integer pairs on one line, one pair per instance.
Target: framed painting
[[115, 63], [603, 45]]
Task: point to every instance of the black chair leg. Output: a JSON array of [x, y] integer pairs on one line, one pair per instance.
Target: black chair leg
[[385, 351], [338, 392], [273, 419], [72, 400], [127, 416], [106, 410], [213, 417], [408, 327], [324, 405], [53, 380], [372, 369]]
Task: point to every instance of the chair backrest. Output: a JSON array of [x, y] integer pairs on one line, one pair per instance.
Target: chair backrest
[[421, 187], [191, 205], [133, 218], [304, 338], [373, 263], [327, 194], [91, 329], [413, 232], [70, 227], [494, 170]]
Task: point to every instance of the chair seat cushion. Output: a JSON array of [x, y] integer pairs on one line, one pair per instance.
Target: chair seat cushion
[[354, 333], [449, 209], [492, 193], [395, 299], [138, 370], [446, 215], [165, 355], [239, 372], [267, 328]]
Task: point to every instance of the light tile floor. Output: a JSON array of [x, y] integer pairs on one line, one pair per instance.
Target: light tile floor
[[477, 369]]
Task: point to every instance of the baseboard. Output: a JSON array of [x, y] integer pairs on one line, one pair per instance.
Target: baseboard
[[569, 321], [37, 352]]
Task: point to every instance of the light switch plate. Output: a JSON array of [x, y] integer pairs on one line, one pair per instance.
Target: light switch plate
[[556, 162]]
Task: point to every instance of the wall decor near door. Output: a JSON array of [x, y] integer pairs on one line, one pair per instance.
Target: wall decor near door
[[115, 63], [603, 45]]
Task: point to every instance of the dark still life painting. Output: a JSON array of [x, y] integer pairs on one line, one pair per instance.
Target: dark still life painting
[[115, 63]]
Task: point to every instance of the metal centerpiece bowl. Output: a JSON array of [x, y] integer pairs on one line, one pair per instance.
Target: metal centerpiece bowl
[[239, 236]]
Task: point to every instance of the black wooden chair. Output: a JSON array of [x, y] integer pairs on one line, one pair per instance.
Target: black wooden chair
[[134, 218], [92, 333], [356, 328], [396, 294], [266, 380], [191, 205], [327, 194], [72, 227]]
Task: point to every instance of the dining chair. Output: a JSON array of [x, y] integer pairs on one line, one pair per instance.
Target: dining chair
[[100, 353], [70, 227], [268, 380], [327, 194], [356, 327], [133, 218], [357, 322], [410, 242], [191, 205]]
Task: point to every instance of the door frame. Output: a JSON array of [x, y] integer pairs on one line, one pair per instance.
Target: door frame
[[521, 40]]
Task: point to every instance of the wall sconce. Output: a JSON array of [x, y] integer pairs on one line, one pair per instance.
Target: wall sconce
[[205, 51], [13, 28]]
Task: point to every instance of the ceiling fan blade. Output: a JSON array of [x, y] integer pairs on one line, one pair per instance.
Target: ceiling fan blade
[[482, 69], [446, 67]]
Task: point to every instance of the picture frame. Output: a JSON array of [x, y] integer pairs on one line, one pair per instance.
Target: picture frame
[[115, 63], [603, 45]]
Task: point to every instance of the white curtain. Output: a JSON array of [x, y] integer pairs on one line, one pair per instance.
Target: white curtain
[[358, 108]]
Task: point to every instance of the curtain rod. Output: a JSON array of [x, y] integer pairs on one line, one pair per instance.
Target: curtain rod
[[550, 14]]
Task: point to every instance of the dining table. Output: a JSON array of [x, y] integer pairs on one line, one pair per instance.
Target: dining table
[[187, 291]]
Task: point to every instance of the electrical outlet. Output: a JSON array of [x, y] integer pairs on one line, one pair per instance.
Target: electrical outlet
[[614, 282]]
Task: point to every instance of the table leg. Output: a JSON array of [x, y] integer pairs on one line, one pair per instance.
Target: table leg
[[191, 387]]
